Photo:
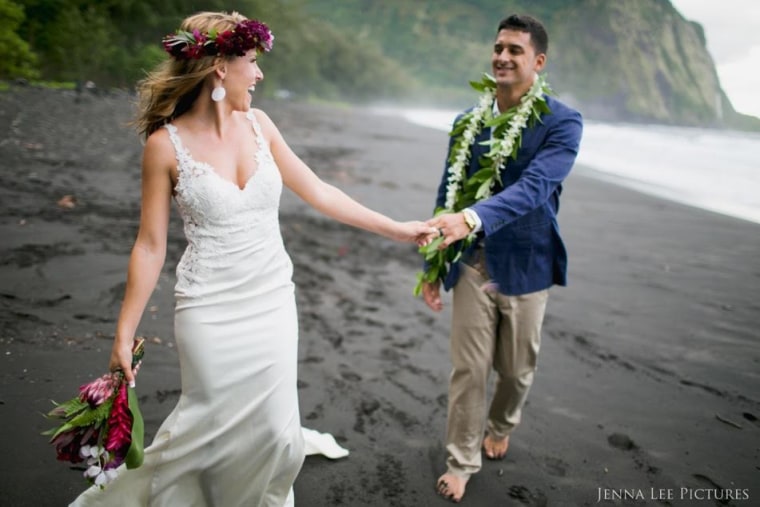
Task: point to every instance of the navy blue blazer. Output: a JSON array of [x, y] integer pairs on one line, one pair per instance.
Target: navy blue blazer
[[524, 252]]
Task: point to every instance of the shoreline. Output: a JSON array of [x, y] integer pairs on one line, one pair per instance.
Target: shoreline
[[685, 175], [648, 369]]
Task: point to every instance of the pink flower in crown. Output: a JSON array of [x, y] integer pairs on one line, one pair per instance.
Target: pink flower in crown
[[247, 35], [196, 50], [99, 390], [256, 34]]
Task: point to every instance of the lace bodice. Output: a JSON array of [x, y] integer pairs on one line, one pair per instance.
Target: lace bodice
[[221, 220]]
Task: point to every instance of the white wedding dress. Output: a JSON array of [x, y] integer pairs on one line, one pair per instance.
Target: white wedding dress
[[234, 439]]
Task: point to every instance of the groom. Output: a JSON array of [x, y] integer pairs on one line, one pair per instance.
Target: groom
[[501, 282]]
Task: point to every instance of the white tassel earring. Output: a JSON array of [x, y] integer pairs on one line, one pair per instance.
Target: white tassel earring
[[218, 93]]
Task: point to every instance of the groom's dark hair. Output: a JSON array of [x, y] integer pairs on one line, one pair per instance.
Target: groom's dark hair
[[524, 23]]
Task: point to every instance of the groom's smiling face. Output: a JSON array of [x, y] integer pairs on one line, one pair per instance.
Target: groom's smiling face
[[514, 60]]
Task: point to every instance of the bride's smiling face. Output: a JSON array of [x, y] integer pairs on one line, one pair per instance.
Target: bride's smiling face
[[242, 76]]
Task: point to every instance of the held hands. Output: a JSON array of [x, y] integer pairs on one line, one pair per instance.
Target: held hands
[[451, 226], [414, 232]]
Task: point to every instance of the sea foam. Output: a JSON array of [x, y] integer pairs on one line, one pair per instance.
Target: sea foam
[[717, 170]]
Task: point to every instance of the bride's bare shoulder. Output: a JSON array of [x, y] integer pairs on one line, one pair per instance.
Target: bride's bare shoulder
[[159, 151]]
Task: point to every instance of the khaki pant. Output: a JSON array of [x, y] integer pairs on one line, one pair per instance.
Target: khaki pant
[[488, 329]]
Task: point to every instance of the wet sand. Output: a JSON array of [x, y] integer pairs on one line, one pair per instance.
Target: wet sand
[[650, 365]]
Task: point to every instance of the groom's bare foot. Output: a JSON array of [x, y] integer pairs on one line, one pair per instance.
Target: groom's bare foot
[[451, 486], [495, 448]]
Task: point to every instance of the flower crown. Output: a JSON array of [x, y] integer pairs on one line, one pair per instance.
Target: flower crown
[[246, 35]]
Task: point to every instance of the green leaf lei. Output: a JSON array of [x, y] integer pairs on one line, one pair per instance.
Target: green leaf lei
[[463, 191]]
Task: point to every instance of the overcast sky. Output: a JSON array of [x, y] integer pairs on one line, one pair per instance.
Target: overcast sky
[[732, 29]]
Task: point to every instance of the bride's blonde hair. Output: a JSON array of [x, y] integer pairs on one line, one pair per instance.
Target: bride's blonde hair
[[172, 87]]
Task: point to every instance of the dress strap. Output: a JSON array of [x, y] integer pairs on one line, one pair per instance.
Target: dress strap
[[184, 160], [183, 156], [256, 129], [174, 138]]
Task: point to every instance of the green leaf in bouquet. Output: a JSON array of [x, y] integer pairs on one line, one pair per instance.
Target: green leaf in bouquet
[[136, 451], [67, 409], [94, 417]]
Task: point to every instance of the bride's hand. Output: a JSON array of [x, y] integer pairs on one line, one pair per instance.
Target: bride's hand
[[121, 359], [414, 232]]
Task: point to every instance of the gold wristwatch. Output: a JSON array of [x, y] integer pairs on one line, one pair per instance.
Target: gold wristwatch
[[469, 219]]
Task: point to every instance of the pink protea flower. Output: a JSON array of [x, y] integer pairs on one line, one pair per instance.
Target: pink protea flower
[[99, 390], [119, 435]]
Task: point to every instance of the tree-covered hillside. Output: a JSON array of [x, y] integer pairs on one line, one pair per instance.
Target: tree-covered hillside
[[633, 61], [638, 61], [114, 42]]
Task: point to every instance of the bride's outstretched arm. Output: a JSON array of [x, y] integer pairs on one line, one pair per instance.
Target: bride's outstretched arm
[[149, 250], [331, 201]]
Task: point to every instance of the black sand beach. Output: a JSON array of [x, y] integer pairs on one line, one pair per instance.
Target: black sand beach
[[648, 390]]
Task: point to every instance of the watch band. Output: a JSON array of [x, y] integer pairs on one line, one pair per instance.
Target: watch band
[[469, 219]]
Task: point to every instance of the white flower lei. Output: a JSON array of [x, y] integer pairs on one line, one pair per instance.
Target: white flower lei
[[532, 104]]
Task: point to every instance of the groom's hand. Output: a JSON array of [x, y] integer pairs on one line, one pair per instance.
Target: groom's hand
[[452, 226], [431, 293]]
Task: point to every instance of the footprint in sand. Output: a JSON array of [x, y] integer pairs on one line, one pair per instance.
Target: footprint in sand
[[393, 355], [365, 410], [622, 442], [368, 407], [316, 413], [556, 467], [527, 497], [163, 395], [93, 318], [707, 481], [350, 376], [751, 418]]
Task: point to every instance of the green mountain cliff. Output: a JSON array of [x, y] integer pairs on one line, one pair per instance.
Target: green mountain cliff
[[615, 60]]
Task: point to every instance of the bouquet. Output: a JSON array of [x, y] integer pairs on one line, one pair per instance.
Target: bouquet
[[102, 427]]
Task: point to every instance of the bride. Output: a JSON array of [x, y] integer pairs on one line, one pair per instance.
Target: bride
[[234, 437]]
